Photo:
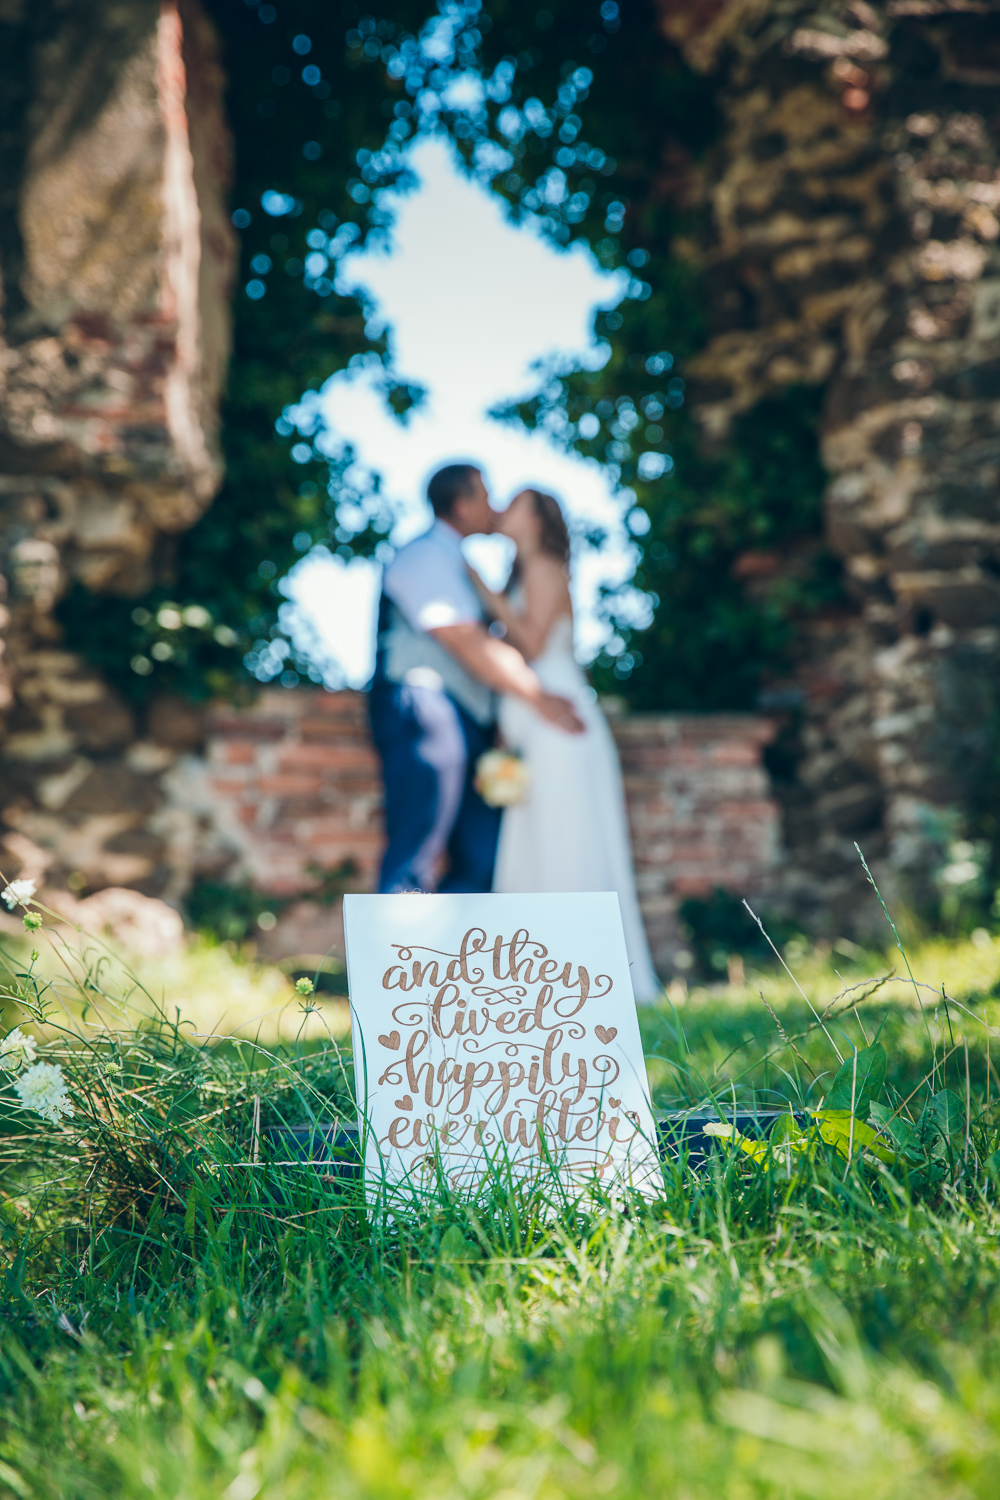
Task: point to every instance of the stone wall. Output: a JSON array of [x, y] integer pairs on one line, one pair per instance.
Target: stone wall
[[853, 208], [291, 788], [116, 263]]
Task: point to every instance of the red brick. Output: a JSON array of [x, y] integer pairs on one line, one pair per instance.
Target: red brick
[[348, 843], [351, 785], [239, 753], [696, 854], [336, 731], [245, 727], [301, 809], [344, 703], [325, 757], [715, 727], [666, 758], [287, 784], [280, 847], [692, 885], [328, 824], [651, 807], [225, 786], [734, 755], [288, 885], [762, 809]]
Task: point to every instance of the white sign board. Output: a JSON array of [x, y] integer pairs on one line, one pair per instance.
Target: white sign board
[[497, 1029]]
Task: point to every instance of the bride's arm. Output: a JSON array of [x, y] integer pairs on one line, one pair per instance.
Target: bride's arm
[[546, 597], [499, 607]]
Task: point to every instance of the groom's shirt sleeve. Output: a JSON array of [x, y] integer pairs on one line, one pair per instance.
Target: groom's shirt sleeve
[[430, 586]]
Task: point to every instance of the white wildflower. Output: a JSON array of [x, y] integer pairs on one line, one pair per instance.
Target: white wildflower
[[18, 893], [17, 1050], [43, 1089]]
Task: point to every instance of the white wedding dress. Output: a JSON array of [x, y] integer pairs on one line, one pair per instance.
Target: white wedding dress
[[571, 831]]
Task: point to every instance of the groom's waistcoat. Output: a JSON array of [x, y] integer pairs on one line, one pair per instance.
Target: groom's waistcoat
[[428, 579]]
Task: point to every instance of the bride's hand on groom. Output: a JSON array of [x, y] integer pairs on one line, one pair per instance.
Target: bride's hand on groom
[[560, 712], [505, 670], [492, 602]]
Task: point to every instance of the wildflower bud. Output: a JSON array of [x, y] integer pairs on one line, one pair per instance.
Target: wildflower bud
[[304, 986], [32, 921]]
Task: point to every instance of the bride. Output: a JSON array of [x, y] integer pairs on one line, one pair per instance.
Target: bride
[[571, 831]]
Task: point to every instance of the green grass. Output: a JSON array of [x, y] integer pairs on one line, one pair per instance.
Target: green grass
[[179, 1322]]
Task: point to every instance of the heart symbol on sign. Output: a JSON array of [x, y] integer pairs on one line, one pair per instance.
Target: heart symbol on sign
[[606, 1033], [615, 1103], [391, 1041], [405, 1103]]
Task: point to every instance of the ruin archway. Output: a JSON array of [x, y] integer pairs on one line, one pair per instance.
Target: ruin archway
[[807, 205]]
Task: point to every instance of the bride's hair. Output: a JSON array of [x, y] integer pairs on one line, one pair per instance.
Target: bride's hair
[[554, 537]]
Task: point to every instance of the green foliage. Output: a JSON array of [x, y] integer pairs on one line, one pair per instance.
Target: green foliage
[[719, 925], [184, 1316], [728, 551], [230, 913], [924, 1151], [858, 1081], [732, 560]]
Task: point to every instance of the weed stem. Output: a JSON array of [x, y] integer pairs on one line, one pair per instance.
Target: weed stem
[[792, 977]]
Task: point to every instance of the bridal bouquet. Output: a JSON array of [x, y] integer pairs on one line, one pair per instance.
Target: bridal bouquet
[[502, 778]]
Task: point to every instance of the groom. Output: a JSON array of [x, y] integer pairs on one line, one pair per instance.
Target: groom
[[433, 698]]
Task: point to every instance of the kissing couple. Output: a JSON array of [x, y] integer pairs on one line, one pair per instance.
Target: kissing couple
[[456, 666]]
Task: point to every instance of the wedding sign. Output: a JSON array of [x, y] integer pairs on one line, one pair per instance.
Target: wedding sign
[[497, 1029]]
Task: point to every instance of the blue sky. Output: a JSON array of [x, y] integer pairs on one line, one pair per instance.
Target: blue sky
[[472, 301]]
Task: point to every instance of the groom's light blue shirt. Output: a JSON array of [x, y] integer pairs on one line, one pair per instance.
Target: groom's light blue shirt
[[428, 580], [428, 585]]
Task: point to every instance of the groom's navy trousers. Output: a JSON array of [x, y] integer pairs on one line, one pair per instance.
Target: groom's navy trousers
[[429, 747]]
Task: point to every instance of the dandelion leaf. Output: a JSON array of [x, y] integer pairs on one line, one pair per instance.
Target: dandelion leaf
[[861, 1087], [900, 1132], [455, 1247], [846, 1133], [944, 1116], [786, 1131]]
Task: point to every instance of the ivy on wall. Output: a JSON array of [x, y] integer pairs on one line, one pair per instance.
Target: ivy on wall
[[583, 117], [728, 550]]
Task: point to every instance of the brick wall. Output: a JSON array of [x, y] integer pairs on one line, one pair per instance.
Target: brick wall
[[298, 782], [294, 782], [700, 810]]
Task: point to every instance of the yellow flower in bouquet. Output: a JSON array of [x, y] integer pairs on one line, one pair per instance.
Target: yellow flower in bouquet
[[502, 778]]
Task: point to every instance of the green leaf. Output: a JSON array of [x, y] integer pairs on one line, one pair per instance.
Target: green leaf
[[944, 1116], [846, 1133], [455, 1247], [721, 1132], [899, 1130], [866, 1084], [786, 1131]]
